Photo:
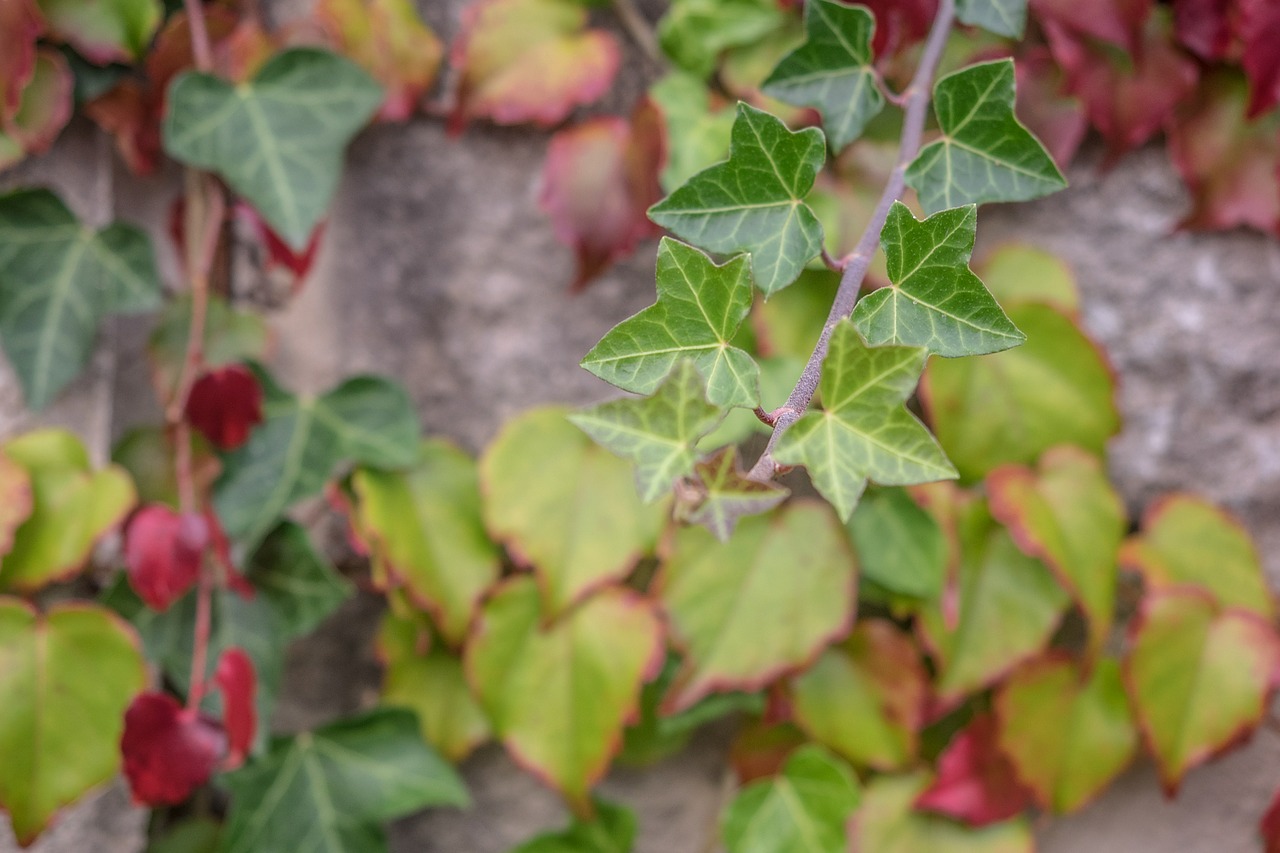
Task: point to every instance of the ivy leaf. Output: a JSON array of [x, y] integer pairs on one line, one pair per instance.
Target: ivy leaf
[[976, 783], [864, 432], [754, 200], [16, 500], [727, 604], [530, 677], [700, 308], [985, 154], [1057, 388], [58, 279], [564, 505], [832, 71], [935, 300], [67, 676], [888, 823], [293, 454], [612, 830], [327, 791], [697, 126], [530, 61], [1189, 541], [694, 33], [1067, 732], [236, 679], [865, 698], [299, 585], [1003, 17], [1017, 273], [277, 139], [425, 530], [104, 32], [1199, 677], [423, 676], [801, 810], [72, 507], [721, 493], [658, 433], [900, 547], [1067, 514]]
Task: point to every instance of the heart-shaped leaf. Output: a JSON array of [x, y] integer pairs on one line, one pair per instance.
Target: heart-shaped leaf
[[1002, 17], [163, 551], [58, 279], [720, 493], [887, 822], [985, 154], [753, 202], [104, 31], [530, 677], [935, 300], [277, 139], [863, 430], [67, 676], [224, 404], [736, 617]]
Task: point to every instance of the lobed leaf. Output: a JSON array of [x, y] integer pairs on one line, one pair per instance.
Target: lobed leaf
[[722, 493]]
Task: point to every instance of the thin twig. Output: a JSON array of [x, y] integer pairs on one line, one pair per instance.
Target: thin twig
[[916, 100], [637, 26], [201, 48]]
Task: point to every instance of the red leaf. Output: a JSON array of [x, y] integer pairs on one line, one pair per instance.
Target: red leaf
[[235, 678], [22, 23], [900, 23], [163, 551], [1204, 26], [1119, 22], [225, 404], [169, 751], [1260, 31], [279, 259], [221, 547], [600, 178], [976, 783], [45, 104], [1270, 826], [1044, 106]]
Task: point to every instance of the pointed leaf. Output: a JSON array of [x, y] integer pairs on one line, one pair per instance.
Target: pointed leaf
[[700, 308], [564, 505], [721, 493], [658, 433], [105, 31], [935, 301], [298, 584], [612, 830], [736, 617], [887, 823], [67, 676], [985, 154], [1199, 677], [864, 432], [1067, 514], [163, 552], [976, 782], [1002, 17], [530, 678], [169, 751], [16, 500], [1068, 733], [865, 698], [754, 200], [278, 139], [327, 791], [900, 547], [58, 280], [832, 71], [801, 810]]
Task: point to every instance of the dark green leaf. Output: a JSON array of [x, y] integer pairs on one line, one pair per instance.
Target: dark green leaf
[[300, 585], [721, 494], [612, 830], [801, 810], [1002, 17]]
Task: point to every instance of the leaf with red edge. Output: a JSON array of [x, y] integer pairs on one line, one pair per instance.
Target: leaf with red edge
[[15, 500], [1204, 26], [600, 178], [44, 107], [1270, 825], [1117, 22], [529, 61], [225, 404], [1260, 31], [21, 23], [1229, 163], [1127, 97], [1199, 677], [976, 782], [169, 751], [1044, 105], [558, 694], [887, 822], [236, 678], [164, 551], [104, 31]]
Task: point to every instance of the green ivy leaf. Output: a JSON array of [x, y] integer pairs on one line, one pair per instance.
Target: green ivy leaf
[[531, 677], [58, 280], [865, 698], [736, 616], [695, 32], [832, 71], [985, 154], [658, 433], [697, 129], [106, 31], [277, 139], [753, 202], [327, 791], [1057, 388], [721, 494], [887, 822], [424, 529], [864, 431], [1067, 514], [72, 507], [1003, 17], [900, 547], [801, 810], [564, 505], [67, 676], [1068, 733], [301, 586], [1199, 677], [1187, 540], [612, 830], [935, 301], [366, 419], [699, 311]]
